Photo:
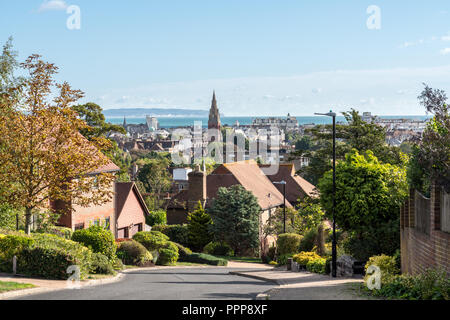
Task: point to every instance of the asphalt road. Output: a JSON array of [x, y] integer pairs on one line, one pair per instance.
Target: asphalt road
[[168, 284]]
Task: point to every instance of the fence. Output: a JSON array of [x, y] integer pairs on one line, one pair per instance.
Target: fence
[[445, 211], [422, 213]]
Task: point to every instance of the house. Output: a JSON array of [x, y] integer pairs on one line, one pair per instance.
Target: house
[[204, 188], [124, 214], [297, 188]]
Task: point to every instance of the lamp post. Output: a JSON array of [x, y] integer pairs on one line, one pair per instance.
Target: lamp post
[[334, 243], [283, 183]]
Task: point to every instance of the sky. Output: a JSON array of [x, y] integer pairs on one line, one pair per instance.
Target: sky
[[262, 57]]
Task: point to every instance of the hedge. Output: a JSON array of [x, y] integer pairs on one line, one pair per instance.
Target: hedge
[[218, 249], [98, 239], [152, 240], [101, 264], [183, 251], [176, 233], [133, 253], [288, 243], [206, 259]]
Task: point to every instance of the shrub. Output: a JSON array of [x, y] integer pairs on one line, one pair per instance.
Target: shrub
[[152, 240], [206, 259], [308, 241], [317, 265], [431, 285], [167, 257], [283, 259], [49, 256], [288, 243], [199, 228], [183, 251], [218, 249], [101, 264], [156, 217], [269, 255], [303, 258], [387, 265], [273, 263], [12, 245], [133, 253], [58, 231], [98, 239], [176, 233], [117, 264]]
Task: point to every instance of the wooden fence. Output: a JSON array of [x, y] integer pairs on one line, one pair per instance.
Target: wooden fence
[[422, 206], [445, 211]]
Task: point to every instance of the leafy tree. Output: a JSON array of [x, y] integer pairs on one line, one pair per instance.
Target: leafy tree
[[434, 149], [43, 156], [368, 195], [155, 178], [199, 224], [158, 217], [356, 134], [235, 214], [97, 127], [9, 83], [304, 143], [7, 217]]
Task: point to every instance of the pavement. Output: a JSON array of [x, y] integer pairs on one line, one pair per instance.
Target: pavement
[[304, 285]]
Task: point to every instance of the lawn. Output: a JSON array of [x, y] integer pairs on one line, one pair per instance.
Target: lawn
[[11, 286]]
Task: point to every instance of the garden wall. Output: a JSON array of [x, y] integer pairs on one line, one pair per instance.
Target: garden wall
[[424, 244]]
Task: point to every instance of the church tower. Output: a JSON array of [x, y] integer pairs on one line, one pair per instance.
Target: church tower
[[214, 116]]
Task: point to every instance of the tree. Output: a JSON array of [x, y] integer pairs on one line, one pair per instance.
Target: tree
[[158, 217], [97, 127], [199, 225], [356, 134], [9, 83], [368, 197], [433, 155], [235, 214], [43, 156], [155, 178]]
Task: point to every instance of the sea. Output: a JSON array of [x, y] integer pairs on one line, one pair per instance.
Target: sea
[[175, 122]]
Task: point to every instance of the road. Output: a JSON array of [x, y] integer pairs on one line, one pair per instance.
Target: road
[[168, 284]]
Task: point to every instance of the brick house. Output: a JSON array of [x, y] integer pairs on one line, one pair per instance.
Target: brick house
[[124, 214], [204, 188], [425, 231]]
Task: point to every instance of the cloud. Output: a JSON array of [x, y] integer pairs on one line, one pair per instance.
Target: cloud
[[445, 51], [53, 5], [445, 38]]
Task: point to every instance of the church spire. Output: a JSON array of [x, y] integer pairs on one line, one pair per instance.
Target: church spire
[[214, 116]]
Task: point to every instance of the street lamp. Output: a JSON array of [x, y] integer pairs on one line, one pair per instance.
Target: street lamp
[[334, 243], [283, 183]]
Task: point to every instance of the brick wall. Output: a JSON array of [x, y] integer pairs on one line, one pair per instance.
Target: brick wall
[[423, 250]]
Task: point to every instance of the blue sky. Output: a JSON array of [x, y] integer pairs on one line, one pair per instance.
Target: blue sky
[[262, 57]]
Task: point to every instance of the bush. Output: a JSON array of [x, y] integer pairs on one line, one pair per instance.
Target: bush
[[317, 265], [101, 264], [157, 217], [183, 251], [283, 259], [58, 231], [133, 253], [12, 245], [269, 255], [387, 265], [303, 258], [176, 233], [49, 256], [273, 263], [308, 241], [218, 249], [206, 259], [431, 285], [167, 257], [288, 243], [151, 240], [118, 264], [98, 239]]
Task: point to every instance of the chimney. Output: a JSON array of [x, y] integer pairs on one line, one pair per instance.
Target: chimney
[[197, 188]]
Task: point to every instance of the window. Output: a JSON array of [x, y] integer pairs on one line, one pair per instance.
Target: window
[[107, 223], [79, 226]]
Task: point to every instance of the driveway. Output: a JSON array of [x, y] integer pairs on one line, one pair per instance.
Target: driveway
[[213, 283]]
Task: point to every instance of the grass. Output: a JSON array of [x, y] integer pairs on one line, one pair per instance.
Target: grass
[[242, 259], [11, 286], [189, 264]]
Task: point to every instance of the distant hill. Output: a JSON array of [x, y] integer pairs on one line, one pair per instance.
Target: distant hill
[[142, 112]]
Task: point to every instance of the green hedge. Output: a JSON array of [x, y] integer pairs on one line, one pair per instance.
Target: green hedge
[[183, 251], [218, 249], [101, 264], [152, 240], [176, 233], [387, 264], [157, 217], [98, 239], [58, 231], [133, 253], [206, 259], [288, 243], [167, 254]]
